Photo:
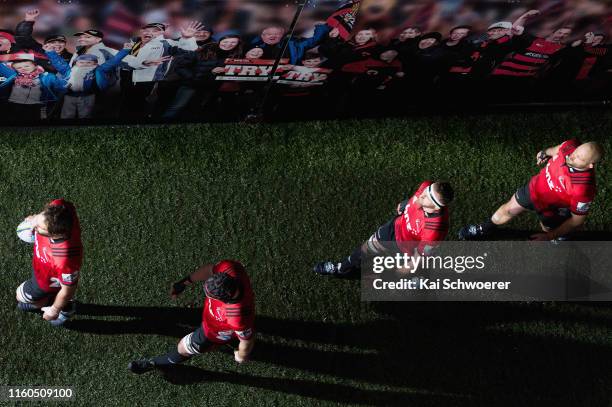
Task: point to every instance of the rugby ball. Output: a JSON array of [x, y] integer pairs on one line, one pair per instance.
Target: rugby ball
[[25, 232]]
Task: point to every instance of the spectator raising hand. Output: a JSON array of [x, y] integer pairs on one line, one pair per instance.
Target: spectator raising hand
[[31, 15], [189, 29]]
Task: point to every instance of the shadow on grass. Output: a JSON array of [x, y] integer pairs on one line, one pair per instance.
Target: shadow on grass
[[501, 353], [186, 375], [167, 321]]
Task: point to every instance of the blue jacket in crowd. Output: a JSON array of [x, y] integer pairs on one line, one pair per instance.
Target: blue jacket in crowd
[[101, 78], [52, 86], [297, 47]]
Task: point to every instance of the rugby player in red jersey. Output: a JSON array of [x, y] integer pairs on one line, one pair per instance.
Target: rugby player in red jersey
[[421, 222], [58, 255], [229, 312], [561, 194]]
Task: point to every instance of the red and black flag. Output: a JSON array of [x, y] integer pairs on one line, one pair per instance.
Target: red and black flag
[[344, 18]]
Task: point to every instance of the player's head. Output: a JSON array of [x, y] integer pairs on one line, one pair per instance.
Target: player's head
[[560, 34], [585, 156], [409, 33], [436, 196], [54, 220], [222, 287]]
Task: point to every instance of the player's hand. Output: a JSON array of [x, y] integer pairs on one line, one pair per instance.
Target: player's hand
[[218, 69], [532, 13], [177, 289], [48, 47], [542, 158], [50, 313], [128, 45], [399, 208], [334, 33], [32, 15], [240, 359], [540, 237]]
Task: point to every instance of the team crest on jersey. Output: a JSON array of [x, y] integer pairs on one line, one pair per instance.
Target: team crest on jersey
[[583, 206], [70, 277], [224, 335]]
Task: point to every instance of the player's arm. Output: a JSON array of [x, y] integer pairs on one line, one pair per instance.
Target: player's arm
[[245, 347], [61, 300], [201, 274], [402, 206], [565, 228], [544, 155]]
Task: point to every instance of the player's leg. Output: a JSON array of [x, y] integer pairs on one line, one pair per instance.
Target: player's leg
[[30, 297], [507, 212], [351, 263], [518, 203], [191, 345], [65, 314], [552, 220]]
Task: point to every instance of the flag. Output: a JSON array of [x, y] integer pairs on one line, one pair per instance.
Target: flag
[[344, 18]]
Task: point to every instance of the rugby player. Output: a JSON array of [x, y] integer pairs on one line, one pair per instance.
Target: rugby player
[[422, 220], [229, 312], [57, 260], [560, 194]]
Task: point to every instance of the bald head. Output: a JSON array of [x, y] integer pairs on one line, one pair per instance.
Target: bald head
[[586, 155]]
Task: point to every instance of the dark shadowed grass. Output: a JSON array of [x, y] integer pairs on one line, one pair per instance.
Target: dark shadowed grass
[[155, 202]]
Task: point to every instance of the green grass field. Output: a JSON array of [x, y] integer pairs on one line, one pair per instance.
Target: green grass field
[[156, 202]]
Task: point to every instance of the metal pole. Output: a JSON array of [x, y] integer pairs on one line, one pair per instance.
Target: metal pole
[[258, 112]]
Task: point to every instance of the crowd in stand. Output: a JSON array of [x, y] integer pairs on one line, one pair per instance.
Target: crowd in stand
[[157, 77]]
